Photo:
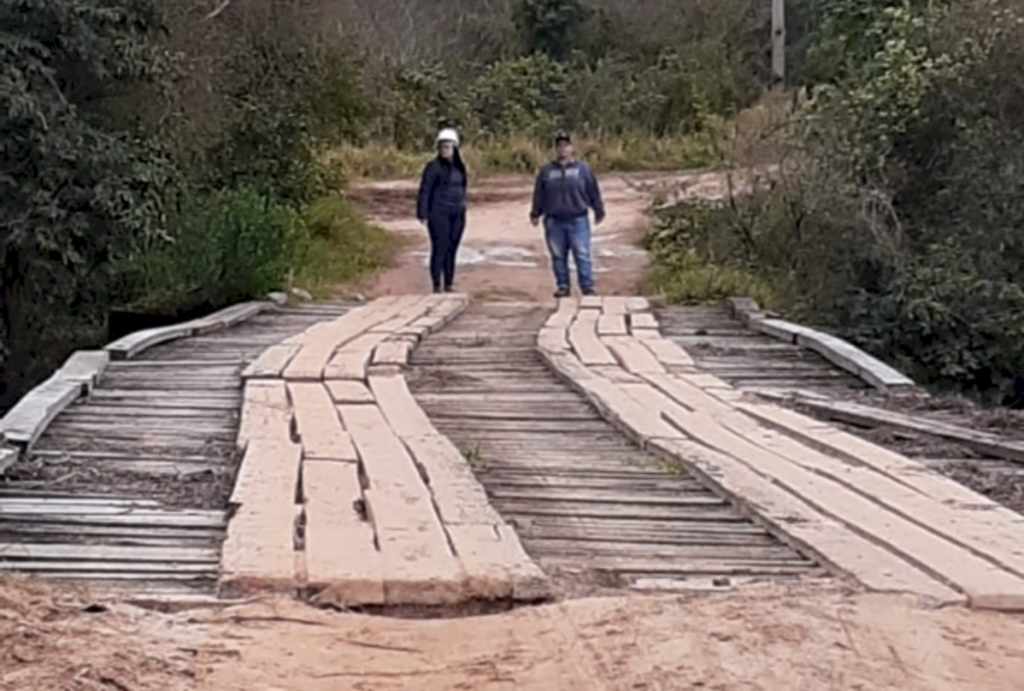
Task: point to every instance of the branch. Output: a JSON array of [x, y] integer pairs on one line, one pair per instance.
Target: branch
[[220, 8]]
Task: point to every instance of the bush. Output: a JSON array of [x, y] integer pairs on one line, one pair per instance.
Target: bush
[[336, 246], [223, 247]]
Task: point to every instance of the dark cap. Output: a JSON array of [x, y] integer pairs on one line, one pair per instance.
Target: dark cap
[[563, 137]]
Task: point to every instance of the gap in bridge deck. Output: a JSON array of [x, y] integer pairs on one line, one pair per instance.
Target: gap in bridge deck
[[596, 512]]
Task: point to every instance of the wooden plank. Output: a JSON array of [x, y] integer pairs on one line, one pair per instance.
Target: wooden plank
[[990, 533], [319, 428], [986, 585], [802, 526], [28, 419], [266, 412], [459, 497], [614, 305], [831, 440], [404, 415], [259, 551], [385, 460], [612, 325], [131, 345], [8, 457], [269, 471], [633, 355], [866, 416], [591, 302], [418, 566], [393, 352], [228, 317], [553, 339], [352, 359], [668, 353], [584, 340], [112, 516], [271, 362], [411, 308], [321, 341], [341, 559], [14, 551], [348, 391], [853, 360], [637, 304], [562, 317], [85, 366], [103, 570], [643, 320]]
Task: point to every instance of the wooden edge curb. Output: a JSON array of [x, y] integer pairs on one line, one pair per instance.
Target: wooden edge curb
[[26, 421], [839, 352]]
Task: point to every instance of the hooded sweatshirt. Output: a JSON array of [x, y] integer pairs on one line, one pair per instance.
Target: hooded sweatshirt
[[442, 188], [565, 191]]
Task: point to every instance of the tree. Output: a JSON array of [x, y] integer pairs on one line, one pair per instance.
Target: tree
[[72, 194], [551, 27]]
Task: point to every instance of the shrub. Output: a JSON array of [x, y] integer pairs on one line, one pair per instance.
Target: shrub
[[336, 246], [222, 247]]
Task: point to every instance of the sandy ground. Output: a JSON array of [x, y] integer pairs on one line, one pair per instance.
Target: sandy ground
[[766, 637], [504, 257]]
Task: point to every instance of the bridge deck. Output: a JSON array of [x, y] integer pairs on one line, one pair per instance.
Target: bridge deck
[[620, 455], [131, 484]]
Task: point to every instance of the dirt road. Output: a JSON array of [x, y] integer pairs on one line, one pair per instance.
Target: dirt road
[[502, 255], [763, 638]]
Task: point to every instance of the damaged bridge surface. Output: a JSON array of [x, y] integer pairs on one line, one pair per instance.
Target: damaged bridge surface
[[429, 451]]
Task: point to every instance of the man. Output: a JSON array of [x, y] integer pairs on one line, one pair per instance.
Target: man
[[563, 195]]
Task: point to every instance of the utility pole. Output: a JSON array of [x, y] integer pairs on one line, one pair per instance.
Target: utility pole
[[778, 44]]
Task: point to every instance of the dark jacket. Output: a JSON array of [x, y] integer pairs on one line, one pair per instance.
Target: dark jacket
[[442, 188], [568, 191]]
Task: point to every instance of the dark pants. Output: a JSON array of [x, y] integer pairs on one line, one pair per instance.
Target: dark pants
[[445, 236]]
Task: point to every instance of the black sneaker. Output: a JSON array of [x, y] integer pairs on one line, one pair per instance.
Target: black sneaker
[[449, 289], [589, 291], [437, 289], [562, 293]]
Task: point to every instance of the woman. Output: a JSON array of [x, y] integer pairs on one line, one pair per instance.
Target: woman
[[442, 207]]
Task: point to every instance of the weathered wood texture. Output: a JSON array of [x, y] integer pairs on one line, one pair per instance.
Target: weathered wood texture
[[580, 495], [133, 481], [871, 514], [388, 512]]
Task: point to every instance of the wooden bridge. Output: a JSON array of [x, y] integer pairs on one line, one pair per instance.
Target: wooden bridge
[[428, 451]]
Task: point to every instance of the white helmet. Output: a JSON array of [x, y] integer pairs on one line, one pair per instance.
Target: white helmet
[[448, 135]]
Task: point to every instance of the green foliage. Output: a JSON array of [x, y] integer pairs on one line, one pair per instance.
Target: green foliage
[[896, 213], [222, 247], [526, 95], [551, 27], [73, 196], [337, 246]]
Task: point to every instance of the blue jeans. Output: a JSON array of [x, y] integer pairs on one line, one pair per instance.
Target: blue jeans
[[565, 235]]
